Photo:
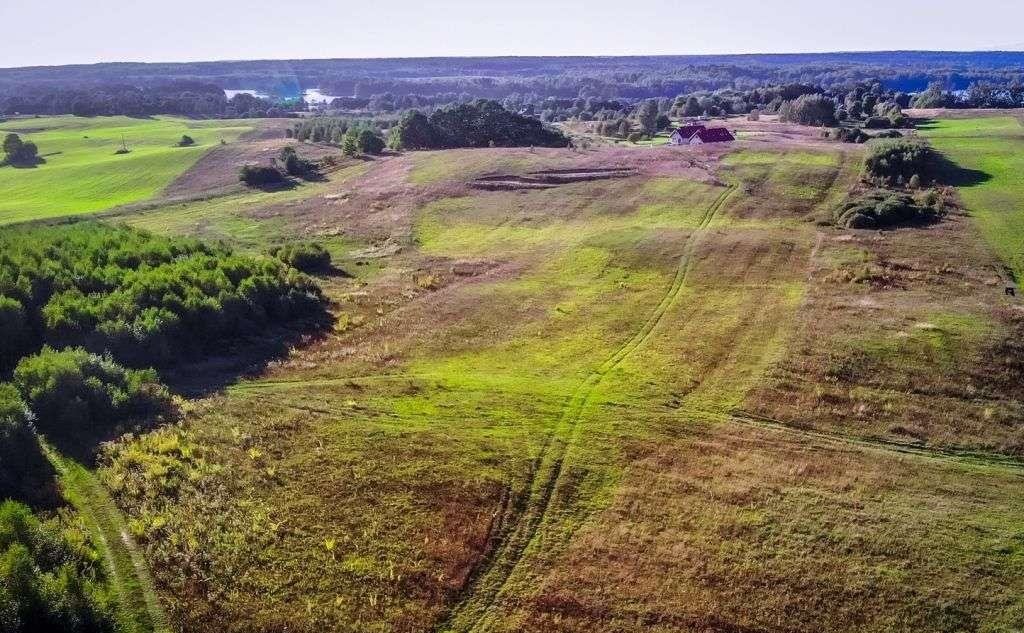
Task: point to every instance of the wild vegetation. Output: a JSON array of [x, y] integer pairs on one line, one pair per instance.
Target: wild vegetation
[[481, 123], [19, 153], [145, 299]]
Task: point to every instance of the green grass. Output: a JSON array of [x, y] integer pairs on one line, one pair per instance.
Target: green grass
[[82, 174], [139, 606], [995, 147]]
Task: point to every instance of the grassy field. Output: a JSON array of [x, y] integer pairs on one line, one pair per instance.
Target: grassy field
[[995, 147], [82, 174], [667, 401]]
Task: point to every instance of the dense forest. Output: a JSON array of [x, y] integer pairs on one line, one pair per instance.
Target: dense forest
[[543, 83]]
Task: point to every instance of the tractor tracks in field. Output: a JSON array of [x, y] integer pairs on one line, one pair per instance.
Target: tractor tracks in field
[[486, 586]]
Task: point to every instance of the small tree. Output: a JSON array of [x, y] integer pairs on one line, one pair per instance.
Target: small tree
[[186, 141], [370, 142], [350, 144], [20, 153]]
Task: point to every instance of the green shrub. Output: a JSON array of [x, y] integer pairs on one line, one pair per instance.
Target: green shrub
[[19, 153], [15, 336], [148, 300], [809, 109], [298, 167], [74, 392], [369, 142], [893, 161], [186, 141], [22, 465], [50, 577], [305, 256], [886, 209], [261, 176]]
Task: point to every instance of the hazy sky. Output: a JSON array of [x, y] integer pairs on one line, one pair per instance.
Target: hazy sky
[[82, 31]]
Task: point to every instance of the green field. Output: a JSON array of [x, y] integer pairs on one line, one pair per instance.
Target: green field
[[82, 174], [670, 401], [995, 147]]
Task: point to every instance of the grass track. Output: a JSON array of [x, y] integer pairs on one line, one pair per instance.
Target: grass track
[[472, 614], [139, 605]]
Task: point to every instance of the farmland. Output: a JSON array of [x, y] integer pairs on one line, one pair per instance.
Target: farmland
[[622, 389], [82, 173]]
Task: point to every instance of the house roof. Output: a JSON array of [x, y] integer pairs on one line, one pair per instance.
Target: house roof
[[687, 131], [715, 135]]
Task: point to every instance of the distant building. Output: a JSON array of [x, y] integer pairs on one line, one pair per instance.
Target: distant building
[[682, 136], [711, 135]]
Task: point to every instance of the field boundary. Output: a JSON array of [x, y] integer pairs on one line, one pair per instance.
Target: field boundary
[[139, 606], [487, 585]]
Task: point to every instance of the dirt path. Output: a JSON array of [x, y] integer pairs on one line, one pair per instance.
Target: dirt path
[[140, 608], [474, 611]]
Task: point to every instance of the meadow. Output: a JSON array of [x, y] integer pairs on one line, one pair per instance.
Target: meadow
[[82, 174], [667, 399]]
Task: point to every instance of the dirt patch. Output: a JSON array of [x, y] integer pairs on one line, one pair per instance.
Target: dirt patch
[[549, 178]]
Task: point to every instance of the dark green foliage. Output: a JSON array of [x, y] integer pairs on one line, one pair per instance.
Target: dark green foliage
[[647, 116], [886, 209], [809, 109], [15, 336], [74, 393], [261, 176], [186, 141], [20, 153], [308, 257], [298, 167], [414, 131], [148, 300], [370, 142], [851, 135], [481, 123], [51, 580], [22, 465], [895, 161]]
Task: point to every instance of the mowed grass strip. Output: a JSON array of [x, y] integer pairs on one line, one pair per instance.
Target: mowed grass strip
[[995, 147], [82, 173]]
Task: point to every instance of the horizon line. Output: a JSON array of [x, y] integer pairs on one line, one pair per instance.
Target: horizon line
[[469, 57]]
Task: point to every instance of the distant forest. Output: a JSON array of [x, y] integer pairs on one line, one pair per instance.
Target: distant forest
[[395, 85]]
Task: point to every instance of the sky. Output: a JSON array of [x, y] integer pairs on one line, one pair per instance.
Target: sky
[[87, 31]]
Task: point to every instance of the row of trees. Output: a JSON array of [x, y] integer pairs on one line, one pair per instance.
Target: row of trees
[[481, 123], [184, 98]]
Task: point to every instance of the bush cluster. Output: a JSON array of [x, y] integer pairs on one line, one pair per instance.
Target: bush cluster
[[897, 161], [147, 300], [298, 167], [887, 209], [50, 577], [261, 176], [74, 393], [308, 257]]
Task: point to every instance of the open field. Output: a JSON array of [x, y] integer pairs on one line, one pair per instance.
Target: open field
[[82, 174], [625, 389]]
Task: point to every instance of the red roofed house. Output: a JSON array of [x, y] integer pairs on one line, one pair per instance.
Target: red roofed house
[[711, 135], [683, 135]]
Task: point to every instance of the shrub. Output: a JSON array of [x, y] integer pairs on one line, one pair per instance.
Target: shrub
[[186, 141], [896, 160], [369, 142], [73, 392], [261, 176], [15, 336], [148, 300], [50, 577], [298, 167], [809, 109], [885, 209], [308, 257], [22, 465]]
